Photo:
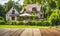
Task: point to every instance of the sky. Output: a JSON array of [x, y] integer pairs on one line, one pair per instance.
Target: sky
[[5, 1]]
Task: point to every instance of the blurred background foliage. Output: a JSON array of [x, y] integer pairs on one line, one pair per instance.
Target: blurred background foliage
[[50, 7]]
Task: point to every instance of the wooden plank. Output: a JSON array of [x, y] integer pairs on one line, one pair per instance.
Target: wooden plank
[[10, 32], [3, 31], [18, 32], [44, 32], [27, 32], [36, 32]]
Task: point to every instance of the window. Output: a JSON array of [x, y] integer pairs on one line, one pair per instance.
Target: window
[[41, 9], [40, 16], [24, 9], [13, 18], [34, 9], [13, 8], [13, 11]]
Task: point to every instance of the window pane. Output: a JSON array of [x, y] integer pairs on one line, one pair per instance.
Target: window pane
[[13, 18], [13, 11], [34, 9]]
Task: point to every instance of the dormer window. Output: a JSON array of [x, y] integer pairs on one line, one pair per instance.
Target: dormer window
[[41, 8], [34, 9], [13, 11], [24, 9], [13, 18], [13, 8]]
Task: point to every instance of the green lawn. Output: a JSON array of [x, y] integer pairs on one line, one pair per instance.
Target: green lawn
[[25, 26]]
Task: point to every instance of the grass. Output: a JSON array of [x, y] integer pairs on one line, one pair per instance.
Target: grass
[[25, 26]]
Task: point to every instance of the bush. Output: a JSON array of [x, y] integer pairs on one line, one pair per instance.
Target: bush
[[43, 24], [2, 23], [31, 23], [8, 23], [38, 23], [20, 23], [34, 17], [55, 22]]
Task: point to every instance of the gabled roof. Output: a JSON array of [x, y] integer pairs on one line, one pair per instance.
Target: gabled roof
[[30, 6], [13, 7], [25, 14]]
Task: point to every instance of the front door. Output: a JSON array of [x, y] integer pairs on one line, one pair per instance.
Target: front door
[[13, 18]]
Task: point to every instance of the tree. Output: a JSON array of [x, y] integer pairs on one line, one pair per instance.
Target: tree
[[9, 4], [2, 11], [33, 1]]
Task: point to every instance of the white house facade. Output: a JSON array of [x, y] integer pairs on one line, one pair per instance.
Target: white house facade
[[13, 14]]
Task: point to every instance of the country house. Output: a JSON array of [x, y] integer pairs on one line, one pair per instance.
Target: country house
[[30, 10]]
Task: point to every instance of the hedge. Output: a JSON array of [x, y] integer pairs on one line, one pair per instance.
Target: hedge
[[39, 23]]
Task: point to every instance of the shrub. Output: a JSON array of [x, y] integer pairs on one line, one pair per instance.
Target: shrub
[[31, 23], [55, 22], [43, 24], [34, 17], [8, 23], [20, 23], [39, 23], [2, 23]]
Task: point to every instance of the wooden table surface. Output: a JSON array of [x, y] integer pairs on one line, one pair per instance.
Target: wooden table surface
[[30, 32]]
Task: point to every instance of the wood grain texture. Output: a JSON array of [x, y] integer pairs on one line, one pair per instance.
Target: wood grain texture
[[30, 32]]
